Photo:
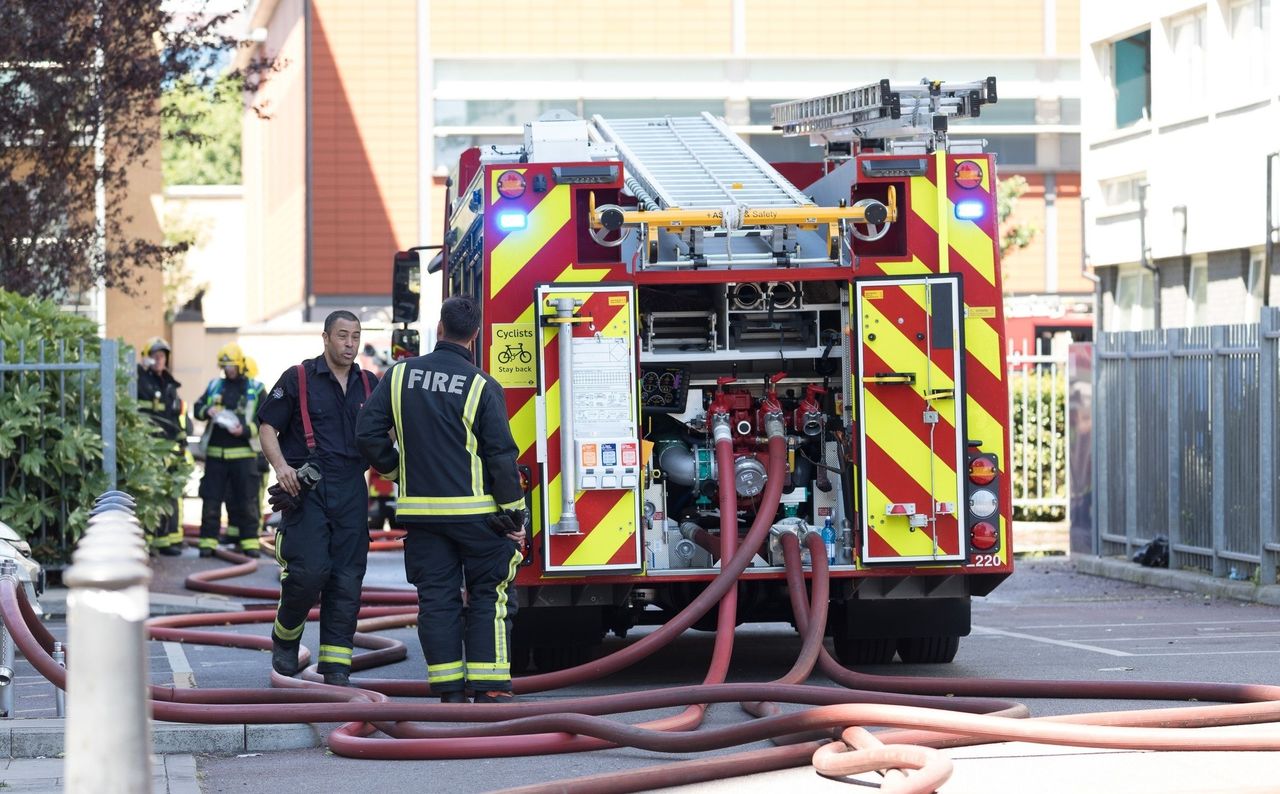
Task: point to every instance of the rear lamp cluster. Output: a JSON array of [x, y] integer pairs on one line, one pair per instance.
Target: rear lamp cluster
[[984, 503]]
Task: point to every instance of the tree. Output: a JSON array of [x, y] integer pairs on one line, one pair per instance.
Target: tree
[[1017, 235], [202, 132], [80, 98]]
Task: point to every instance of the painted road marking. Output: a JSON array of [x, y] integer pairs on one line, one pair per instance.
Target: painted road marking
[[183, 676], [1050, 641]]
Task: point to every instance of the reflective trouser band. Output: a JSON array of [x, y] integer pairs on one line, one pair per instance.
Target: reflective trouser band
[[231, 453], [488, 672], [335, 654], [208, 543], [250, 543], [500, 611], [288, 635], [440, 673], [445, 506]]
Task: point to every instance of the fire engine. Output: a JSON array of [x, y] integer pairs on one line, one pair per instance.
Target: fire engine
[[652, 288]]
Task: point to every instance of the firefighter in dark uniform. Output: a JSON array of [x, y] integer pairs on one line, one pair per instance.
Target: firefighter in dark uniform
[[460, 501], [322, 544], [230, 466], [158, 399]]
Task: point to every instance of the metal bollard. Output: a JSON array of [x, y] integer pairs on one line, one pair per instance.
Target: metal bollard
[[108, 746], [59, 697], [7, 568]]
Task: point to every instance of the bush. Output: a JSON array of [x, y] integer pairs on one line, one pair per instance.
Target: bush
[[1044, 450], [51, 446]]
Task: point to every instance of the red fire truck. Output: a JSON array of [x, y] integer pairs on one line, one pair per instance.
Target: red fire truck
[[652, 288]]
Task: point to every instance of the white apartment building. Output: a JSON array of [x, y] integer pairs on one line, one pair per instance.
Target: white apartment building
[[1180, 122]]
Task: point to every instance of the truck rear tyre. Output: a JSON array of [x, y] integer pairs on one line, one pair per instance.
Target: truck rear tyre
[[928, 650], [862, 651]]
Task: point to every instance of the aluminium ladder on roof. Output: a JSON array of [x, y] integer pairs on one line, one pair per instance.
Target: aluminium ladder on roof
[[880, 110], [697, 163]]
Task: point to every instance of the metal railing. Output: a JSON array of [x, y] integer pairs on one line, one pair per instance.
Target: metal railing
[[1185, 445], [68, 371], [1038, 421]]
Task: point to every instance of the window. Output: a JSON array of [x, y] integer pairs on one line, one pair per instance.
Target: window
[[1013, 149], [1248, 25], [760, 111], [1131, 78], [1253, 286], [1198, 291], [777, 149], [1121, 192], [1069, 150], [450, 147], [1008, 111], [1070, 110], [1135, 300], [1186, 64], [650, 108], [496, 112]]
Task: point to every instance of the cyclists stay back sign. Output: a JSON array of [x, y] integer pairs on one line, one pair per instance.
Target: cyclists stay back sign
[[511, 359]]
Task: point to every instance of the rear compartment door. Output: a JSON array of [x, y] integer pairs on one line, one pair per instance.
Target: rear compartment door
[[909, 386], [608, 461]]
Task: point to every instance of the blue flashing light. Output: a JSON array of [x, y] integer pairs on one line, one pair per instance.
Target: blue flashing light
[[970, 210], [510, 221]]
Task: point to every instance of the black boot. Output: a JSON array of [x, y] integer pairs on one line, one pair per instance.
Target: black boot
[[338, 678], [206, 552], [284, 656], [170, 551], [453, 697]]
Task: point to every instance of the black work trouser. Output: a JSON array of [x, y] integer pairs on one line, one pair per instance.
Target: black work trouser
[[226, 481], [438, 559], [323, 548]]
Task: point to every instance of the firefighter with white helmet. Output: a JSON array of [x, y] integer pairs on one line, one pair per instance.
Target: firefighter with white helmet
[[231, 451], [158, 399]]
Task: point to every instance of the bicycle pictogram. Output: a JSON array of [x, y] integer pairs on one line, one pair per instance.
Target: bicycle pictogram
[[514, 352]]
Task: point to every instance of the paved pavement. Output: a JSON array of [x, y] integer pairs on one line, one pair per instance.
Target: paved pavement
[[33, 743]]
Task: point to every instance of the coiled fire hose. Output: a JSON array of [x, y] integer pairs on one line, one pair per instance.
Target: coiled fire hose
[[899, 702]]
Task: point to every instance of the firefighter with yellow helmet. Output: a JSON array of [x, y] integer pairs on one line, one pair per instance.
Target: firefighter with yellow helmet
[[231, 452], [159, 401]]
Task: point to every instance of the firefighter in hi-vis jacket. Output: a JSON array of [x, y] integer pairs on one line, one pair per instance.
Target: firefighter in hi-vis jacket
[[231, 461], [460, 501], [158, 398]]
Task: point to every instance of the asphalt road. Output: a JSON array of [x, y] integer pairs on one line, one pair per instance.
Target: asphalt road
[[1044, 622]]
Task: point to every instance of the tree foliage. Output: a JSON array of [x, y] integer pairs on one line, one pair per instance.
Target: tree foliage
[[51, 437], [80, 103], [1012, 235], [202, 132]]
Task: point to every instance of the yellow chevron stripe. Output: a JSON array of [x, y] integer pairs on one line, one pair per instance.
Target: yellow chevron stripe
[[524, 426], [982, 347], [614, 530], [913, 268], [517, 248], [894, 437], [901, 353], [980, 339], [969, 240], [896, 530], [924, 200], [494, 195], [984, 343]]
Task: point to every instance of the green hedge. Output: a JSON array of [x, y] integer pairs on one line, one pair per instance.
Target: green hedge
[[53, 466], [1046, 458]]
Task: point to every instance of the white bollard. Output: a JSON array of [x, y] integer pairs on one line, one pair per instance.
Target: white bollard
[[108, 745]]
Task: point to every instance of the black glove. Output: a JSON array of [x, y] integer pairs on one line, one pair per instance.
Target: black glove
[[508, 522], [281, 501]]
